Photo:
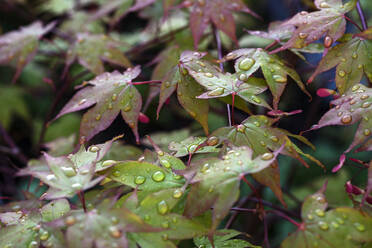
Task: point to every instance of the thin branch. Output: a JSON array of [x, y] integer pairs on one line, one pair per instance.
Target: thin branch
[[355, 24], [362, 16]]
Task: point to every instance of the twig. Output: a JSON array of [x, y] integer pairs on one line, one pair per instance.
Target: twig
[[361, 15], [355, 24]]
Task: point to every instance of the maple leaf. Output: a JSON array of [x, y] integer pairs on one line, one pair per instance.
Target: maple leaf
[[20, 46], [339, 227], [355, 106], [223, 239], [91, 49], [67, 175], [189, 145], [221, 84], [217, 12], [273, 68], [32, 224], [329, 20], [113, 93], [351, 58]]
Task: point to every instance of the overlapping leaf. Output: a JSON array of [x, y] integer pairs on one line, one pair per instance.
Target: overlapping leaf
[[339, 227], [354, 106], [352, 59], [91, 49], [329, 20], [221, 84], [67, 175], [223, 239], [273, 68], [19, 47], [112, 93], [27, 228], [217, 181], [217, 12]]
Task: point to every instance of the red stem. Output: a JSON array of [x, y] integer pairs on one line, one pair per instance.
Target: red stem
[[147, 82], [355, 24], [82, 200], [299, 225]]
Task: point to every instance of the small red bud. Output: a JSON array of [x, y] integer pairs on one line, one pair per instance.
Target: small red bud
[[323, 92], [143, 118]]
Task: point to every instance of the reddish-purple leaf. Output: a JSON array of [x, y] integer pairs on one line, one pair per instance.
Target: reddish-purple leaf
[[112, 93]]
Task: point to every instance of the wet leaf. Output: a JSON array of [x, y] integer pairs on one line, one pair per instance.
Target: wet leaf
[[273, 68], [19, 47], [91, 49], [215, 12], [223, 239], [189, 145], [329, 20], [112, 93], [339, 227], [352, 60], [355, 106]]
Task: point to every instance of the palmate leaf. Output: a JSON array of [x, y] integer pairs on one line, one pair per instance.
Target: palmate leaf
[[273, 68], [329, 20], [19, 47], [352, 59], [217, 12], [339, 227], [221, 84], [28, 228], [257, 133], [102, 227], [91, 49], [189, 145], [223, 239], [67, 175], [112, 93], [355, 106], [216, 181]]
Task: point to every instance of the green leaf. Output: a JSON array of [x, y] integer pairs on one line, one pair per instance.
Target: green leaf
[[352, 60], [54, 210], [19, 47], [222, 239], [339, 227], [112, 93], [273, 68], [162, 139], [189, 145], [92, 49], [57, 6]]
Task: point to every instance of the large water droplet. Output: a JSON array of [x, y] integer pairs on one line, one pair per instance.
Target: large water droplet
[[323, 225], [367, 132], [246, 64], [359, 227], [257, 124], [319, 212], [76, 186], [280, 78], [82, 101], [70, 220], [324, 5], [94, 149], [115, 232], [241, 128], [274, 138], [204, 168], [177, 193], [328, 41], [162, 207], [364, 97], [267, 156], [44, 235], [109, 162], [51, 177], [334, 224], [139, 180], [114, 97], [302, 35], [216, 92], [346, 119], [256, 99], [310, 216], [366, 104], [165, 163], [158, 176], [342, 73], [127, 107], [354, 55], [68, 171], [212, 141], [243, 77]]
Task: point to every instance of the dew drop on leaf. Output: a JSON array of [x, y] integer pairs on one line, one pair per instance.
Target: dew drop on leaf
[[114, 97], [158, 176], [177, 193], [364, 97], [256, 99], [139, 180], [98, 117], [162, 207], [44, 236], [367, 132], [334, 224], [302, 35], [246, 64], [33, 244], [366, 104], [240, 128], [165, 163], [359, 227], [165, 224], [164, 237], [82, 101], [319, 212], [274, 138], [114, 232], [267, 156], [340, 221], [76, 186], [51, 177], [324, 5], [212, 141], [70, 220], [205, 168], [280, 79], [242, 77], [94, 149], [109, 162], [323, 225], [328, 41], [216, 92], [127, 107], [346, 119], [310, 216], [342, 73], [68, 171]]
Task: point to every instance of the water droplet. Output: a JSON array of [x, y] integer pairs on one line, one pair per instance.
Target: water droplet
[[328, 41], [165, 163], [110, 106], [360, 66], [212, 141], [354, 55], [33, 244], [256, 123], [319, 212], [109, 162], [364, 97], [208, 74], [267, 156], [193, 114], [230, 56], [323, 225], [51, 177], [70, 220], [355, 88], [310, 216], [256, 99], [177, 193], [280, 78], [200, 63], [366, 104], [335, 224], [324, 5], [367, 132], [243, 77], [241, 128], [44, 235], [302, 35], [165, 224], [162, 207], [98, 117], [114, 97], [82, 101], [216, 92], [192, 148], [340, 221], [359, 227], [222, 18], [139, 180], [164, 237], [274, 138], [160, 153], [210, 190], [114, 232], [114, 220], [158, 176], [177, 177], [346, 119], [204, 168], [263, 143], [94, 149], [303, 13], [246, 64], [76, 186], [352, 102], [342, 73], [68, 171], [128, 107]]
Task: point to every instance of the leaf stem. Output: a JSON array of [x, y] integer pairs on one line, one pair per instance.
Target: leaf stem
[[361, 15], [82, 200], [281, 214], [355, 24], [147, 82]]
